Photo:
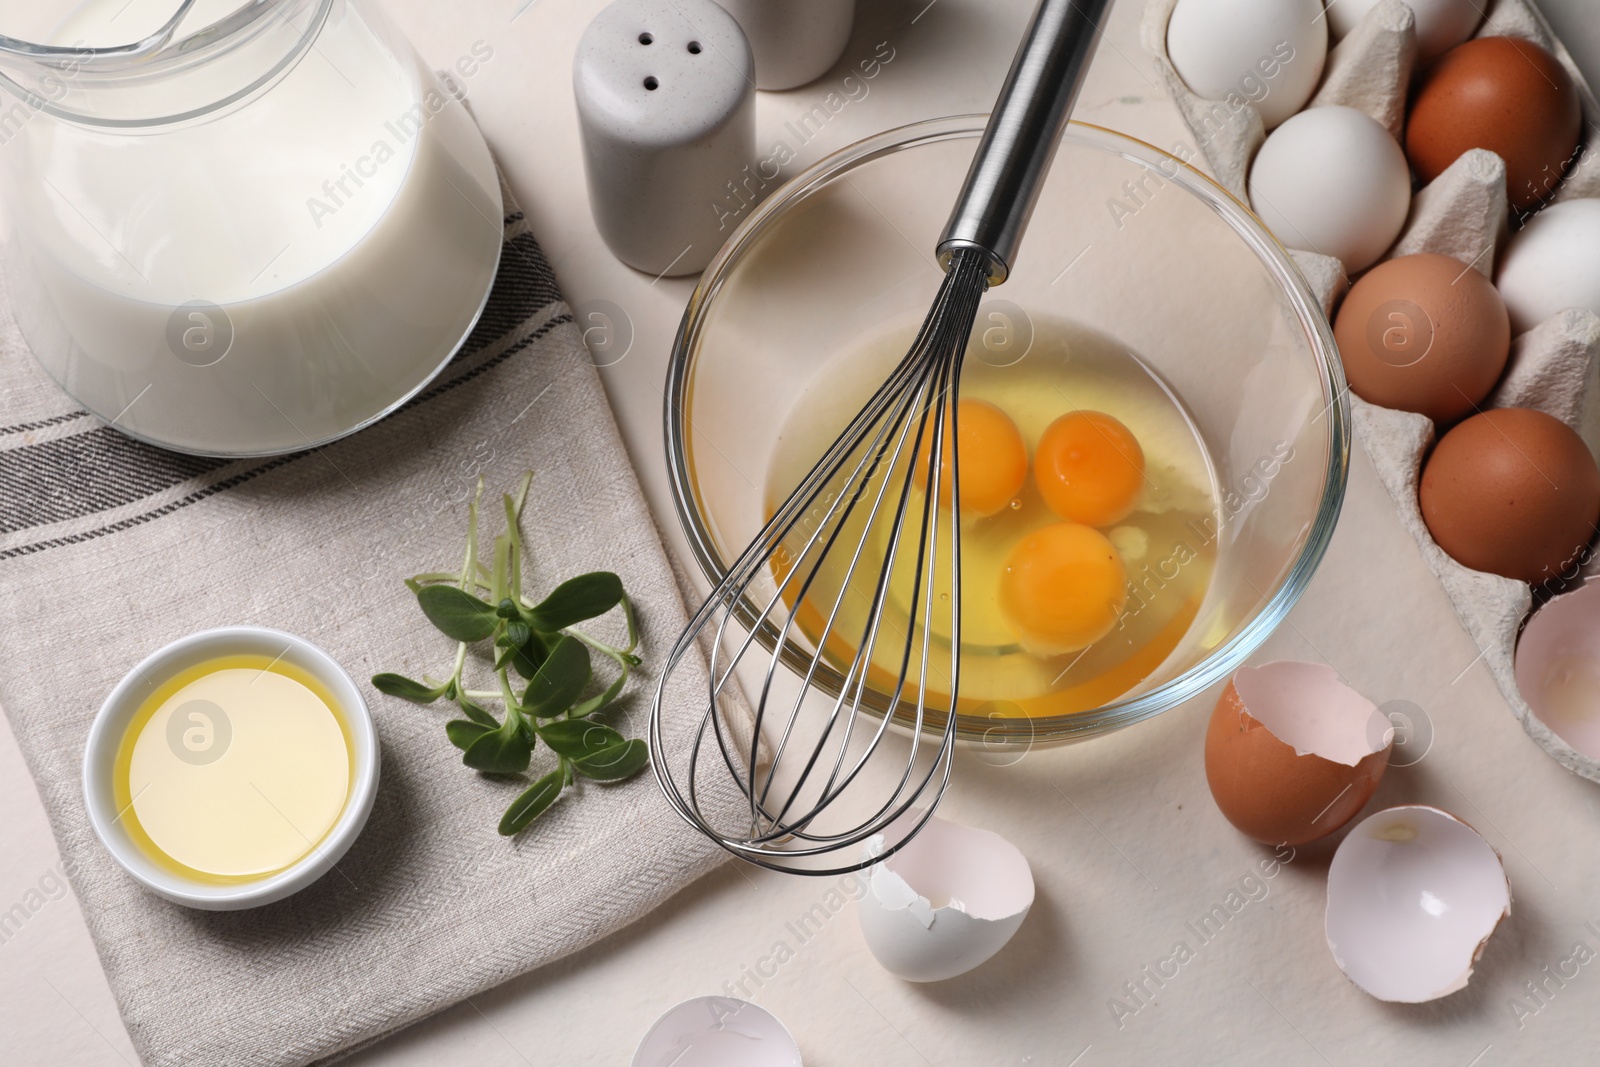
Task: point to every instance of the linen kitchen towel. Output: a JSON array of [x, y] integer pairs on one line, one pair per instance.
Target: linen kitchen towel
[[110, 548]]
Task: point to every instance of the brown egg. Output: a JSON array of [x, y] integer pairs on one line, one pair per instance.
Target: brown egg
[[1266, 718], [1504, 94], [1512, 491], [1423, 333]]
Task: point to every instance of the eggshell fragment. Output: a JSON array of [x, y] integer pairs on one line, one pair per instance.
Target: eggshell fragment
[[1558, 667], [717, 1032], [946, 902], [1292, 753], [1413, 895]]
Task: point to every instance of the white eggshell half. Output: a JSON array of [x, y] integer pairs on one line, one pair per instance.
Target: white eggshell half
[[1269, 52], [717, 1032], [1332, 180], [1558, 667], [1413, 895], [944, 903]]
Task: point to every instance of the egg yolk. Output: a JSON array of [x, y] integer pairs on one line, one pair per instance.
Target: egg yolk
[[1062, 588], [1089, 468], [994, 459]]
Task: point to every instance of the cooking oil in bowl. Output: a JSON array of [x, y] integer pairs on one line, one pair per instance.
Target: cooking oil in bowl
[[1089, 526], [233, 769]]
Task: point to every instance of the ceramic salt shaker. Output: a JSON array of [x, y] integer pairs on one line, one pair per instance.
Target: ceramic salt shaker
[[666, 109], [795, 41]]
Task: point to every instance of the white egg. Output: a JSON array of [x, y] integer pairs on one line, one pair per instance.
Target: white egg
[[1558, 667], [944, 903], [1332, 180], [1413, 895], [717, 1032], [1553, 263], [1268, 53], [1441, 24]]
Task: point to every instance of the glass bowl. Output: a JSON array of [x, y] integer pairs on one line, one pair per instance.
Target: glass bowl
[[1126, 239]]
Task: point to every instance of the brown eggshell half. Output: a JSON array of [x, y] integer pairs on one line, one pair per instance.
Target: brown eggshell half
[[1270, 793]]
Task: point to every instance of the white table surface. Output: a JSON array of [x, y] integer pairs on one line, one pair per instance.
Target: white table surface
[[1126, 845]]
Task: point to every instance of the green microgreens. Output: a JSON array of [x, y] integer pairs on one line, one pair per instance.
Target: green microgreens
[[539, 643]]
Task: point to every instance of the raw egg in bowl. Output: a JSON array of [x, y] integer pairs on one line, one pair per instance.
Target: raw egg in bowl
[[1151, 439]]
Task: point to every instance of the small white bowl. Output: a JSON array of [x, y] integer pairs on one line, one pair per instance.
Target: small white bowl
[[111, 723]]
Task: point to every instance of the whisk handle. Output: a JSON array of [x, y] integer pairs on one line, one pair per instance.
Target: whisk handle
[[1024, 129]]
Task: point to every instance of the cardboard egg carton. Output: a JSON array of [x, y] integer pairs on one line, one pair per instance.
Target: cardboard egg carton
[[1464, 213]]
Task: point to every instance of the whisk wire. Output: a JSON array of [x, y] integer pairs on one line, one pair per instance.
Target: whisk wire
[[872, 458], [849, 499], [833, 525], [939, 408], [856, 678]]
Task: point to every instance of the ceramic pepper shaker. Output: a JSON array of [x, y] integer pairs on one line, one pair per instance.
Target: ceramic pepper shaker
[[795, 41], [666, 110]]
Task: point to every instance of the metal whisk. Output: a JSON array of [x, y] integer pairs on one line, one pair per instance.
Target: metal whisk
[[855, 582]]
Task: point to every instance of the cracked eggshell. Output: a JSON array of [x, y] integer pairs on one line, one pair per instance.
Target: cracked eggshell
[[717, 1032], [1413, 895], [1558, 667], [1292, 753], [946, 902]]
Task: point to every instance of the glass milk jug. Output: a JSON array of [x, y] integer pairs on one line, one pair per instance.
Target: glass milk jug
[[237, 227]]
